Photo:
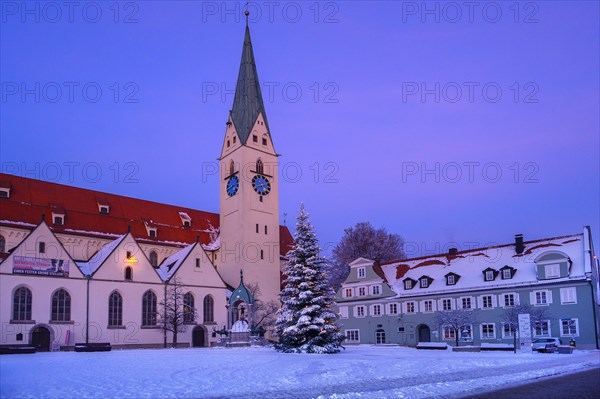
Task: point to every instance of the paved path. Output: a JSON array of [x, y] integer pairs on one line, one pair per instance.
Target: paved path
[[582, 385]]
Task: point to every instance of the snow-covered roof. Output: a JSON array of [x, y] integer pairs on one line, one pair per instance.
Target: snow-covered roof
[[88, 268], [170, 265], [214, 245], [470, 264]]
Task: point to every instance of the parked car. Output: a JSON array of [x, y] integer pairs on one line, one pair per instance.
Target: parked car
[[543, 344]]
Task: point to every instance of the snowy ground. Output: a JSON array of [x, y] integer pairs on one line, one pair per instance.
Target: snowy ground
[[357, 372]]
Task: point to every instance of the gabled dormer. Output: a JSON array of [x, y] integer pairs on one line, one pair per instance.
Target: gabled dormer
[[451, 278], [186, 220], [425, 281], [507, 272], [409, 283], [490, 274]]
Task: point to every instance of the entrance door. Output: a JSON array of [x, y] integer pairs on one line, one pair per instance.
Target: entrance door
[[424, 333], [40, 339], [380, 337], [198, 337]]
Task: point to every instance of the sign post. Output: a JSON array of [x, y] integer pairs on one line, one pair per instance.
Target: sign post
[[525, 333]]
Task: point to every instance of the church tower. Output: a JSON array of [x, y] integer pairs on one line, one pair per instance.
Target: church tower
[[249, 188]]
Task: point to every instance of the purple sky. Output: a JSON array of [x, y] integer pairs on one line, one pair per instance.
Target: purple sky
[[367, 117]]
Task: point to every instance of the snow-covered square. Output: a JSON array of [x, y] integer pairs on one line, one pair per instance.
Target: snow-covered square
[[359, 371]]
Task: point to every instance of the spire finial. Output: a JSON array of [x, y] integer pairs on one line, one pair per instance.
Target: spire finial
[[242, 275], [246, 13]]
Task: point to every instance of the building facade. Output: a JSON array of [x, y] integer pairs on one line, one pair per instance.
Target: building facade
[[396, 302], [85, 266]]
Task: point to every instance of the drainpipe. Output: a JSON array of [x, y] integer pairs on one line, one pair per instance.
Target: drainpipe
[[87, 312], [165, 318], [591, 280]]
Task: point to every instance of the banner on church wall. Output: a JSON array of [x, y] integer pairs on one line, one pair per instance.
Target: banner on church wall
[[41, 266]]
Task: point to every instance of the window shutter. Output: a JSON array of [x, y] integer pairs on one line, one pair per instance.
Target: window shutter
[[433, 307], [480, 302], [532, 298], [452, 304], [549, 296], [494, 301], [355, 311], [517, 299], [440, 304]]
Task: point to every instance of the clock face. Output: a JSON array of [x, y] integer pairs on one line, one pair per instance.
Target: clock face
[[232, 185], [261, 184]]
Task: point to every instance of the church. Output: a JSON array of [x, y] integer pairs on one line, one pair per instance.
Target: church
[[81, 266]]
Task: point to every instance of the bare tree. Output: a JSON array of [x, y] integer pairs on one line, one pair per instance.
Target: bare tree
[[264, 312], [363, 240], [174, 314], [537, 315], [455, 320]]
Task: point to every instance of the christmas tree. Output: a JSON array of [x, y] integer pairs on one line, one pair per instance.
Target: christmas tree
[[306, 322]]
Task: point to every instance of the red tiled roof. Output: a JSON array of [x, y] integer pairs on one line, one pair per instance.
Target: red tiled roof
[[30, 198]]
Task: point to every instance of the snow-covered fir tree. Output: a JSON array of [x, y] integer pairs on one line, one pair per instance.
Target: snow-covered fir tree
[[306, 322]]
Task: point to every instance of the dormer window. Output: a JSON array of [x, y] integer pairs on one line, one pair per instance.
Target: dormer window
[[409, 283], [489, 274], [553, 265], [103, 206], [4, 192], [425, 281], [58, 219], [452, 278], [361, 272], [507, 272], [151, 229], [186, 220]]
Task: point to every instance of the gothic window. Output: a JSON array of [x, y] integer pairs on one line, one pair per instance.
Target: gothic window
[[22, 304], [149, 309], [61, 306], [188, 308], [231, 168], [209, 309], [153, 258], [259, 167], [115, 309]]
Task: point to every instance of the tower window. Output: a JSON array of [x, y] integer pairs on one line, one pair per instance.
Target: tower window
[[266, 229], [264, 141], [262, 255], [257, 227], [260, 199], [234, 140], [228, 144], [259, 167], [231, 168], [254, 138]]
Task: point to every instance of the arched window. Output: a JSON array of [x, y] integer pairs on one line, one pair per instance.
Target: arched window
[[231, 168], [22, 304], [153, 258], [115, 309], [128, 273], [149, 309], [2, 244], [188, 308], [209, 309], [259, 167], [61, 305]]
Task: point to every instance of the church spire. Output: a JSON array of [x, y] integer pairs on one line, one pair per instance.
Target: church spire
[[248, 102]]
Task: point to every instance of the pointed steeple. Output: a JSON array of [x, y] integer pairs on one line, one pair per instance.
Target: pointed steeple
[[248, 102]]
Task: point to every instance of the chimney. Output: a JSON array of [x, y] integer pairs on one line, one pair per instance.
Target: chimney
[[452, 251], [519, 246]]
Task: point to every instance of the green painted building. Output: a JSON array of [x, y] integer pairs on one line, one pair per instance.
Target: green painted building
[[396, 302]]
